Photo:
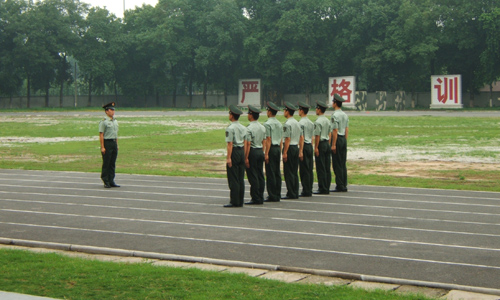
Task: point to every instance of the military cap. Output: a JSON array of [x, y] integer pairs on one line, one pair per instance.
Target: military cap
[[290, 106], [235, 110], [252, 109], [338, 98], [321, 104], [303, 105], [110, 105], [272, 106]]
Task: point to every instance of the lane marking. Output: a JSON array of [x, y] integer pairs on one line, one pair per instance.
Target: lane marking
[[262, 245], [258, 230], [255, 208], [246, 216]]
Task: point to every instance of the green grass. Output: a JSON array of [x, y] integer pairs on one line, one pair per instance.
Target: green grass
[[194, 146], [62, 277]]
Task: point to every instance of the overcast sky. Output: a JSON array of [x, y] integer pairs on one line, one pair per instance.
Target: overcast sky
[[116, 6]]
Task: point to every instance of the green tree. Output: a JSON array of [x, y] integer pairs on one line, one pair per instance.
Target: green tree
[[94, 51], [490, 58]]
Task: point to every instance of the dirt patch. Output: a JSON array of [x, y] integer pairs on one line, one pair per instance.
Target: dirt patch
[[424, 169]]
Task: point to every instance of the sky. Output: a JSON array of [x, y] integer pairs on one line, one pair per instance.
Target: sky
[[116, 6]]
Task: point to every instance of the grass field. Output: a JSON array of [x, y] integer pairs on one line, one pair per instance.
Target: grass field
[[63, 277], [428, 152]]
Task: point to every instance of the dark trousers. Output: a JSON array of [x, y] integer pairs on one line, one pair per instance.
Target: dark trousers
[[273, 174], [306, 170], [339, 162], [236, 176], [323, 167], [291, 167], [255, 174], [109, 161]]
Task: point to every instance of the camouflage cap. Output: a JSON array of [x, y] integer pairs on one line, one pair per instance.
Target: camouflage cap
[[321, 104], [235, 110], [338, 98], [253, 109], [110, 105], [302, 104], [272, 106], [290, 106]]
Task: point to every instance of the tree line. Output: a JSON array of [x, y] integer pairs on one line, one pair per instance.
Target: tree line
[[201, 46]]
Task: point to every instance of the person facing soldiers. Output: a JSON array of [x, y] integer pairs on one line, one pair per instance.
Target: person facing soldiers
[[235, 160], [291, 137], [340, 130], [306, 153], [322, 134], [108, 137], [254, 156], [272, 157]]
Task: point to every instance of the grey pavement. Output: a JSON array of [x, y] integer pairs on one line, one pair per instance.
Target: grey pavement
[[437, 239]]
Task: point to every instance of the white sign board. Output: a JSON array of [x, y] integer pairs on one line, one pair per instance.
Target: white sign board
[[249, 92], [446, 91], [345, 87]]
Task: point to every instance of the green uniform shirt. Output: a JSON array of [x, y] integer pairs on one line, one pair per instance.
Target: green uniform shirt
[[306, 129], [236, 133], [256, 132], [274, 129], [339, 121], [322, 127], [291, 129], [109, 127]]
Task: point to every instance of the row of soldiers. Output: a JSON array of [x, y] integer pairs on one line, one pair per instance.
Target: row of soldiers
[[298, 143]]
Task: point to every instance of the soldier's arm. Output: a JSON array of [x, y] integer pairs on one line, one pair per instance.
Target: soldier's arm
[[229, 153], [346, 132], [333, 138], [101, 140], [301, 147]]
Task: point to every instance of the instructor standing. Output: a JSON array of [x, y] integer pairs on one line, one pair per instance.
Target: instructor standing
[[108, 136]]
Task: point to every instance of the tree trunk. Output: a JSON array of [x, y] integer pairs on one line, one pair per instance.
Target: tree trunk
[[89, 103], [28, 91], [61, 92]]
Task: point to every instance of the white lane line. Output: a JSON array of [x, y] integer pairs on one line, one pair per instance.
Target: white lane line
[[246, 216], [259, 208], [294, 201], [265, 230], [260, 245]]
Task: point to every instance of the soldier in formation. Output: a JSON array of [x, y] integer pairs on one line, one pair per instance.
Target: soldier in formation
[[254, 156], [306, 153], [235, 159], [291, 137]]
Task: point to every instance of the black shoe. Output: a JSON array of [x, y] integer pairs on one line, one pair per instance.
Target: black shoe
[[230, 205], [286, 197], [320, 193], [269, 200], [114, 185], [305, 195], [336, 191], [106, 185], [253, 203]]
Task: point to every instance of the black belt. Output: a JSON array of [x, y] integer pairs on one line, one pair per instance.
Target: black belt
[[275, 145], [237, 147], [307, 144], [341, 135], [113, 140], [293, 145]]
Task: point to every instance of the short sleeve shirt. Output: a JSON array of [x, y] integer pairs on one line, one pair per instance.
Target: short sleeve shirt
[[291, 129], [256, 132], [274, 129], [236, 133], [109, 128], [322, 128], [306, 129], [339, 121]]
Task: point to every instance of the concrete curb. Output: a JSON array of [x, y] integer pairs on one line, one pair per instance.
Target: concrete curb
[[193, 259]]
